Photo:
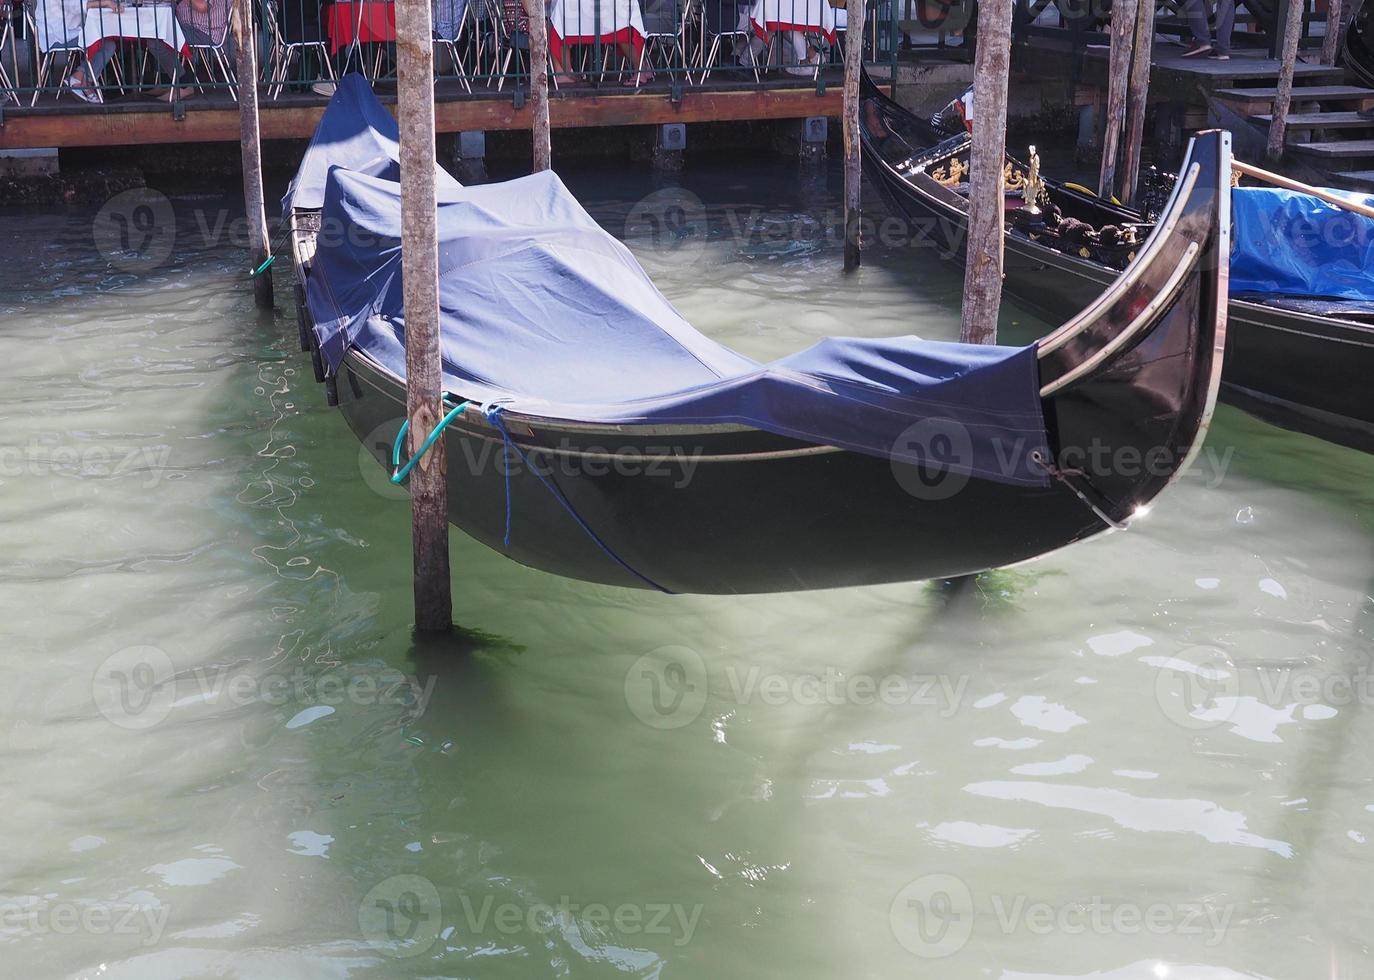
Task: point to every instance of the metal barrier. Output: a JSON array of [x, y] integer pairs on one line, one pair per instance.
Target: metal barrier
[[82, 53]]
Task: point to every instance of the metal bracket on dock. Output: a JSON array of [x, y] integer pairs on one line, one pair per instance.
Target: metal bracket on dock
[[820, 85], [518, 97], [178, 110], [675, 91]]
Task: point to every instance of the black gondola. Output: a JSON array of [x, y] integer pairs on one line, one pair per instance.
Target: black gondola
[[1358, 46], [1304, 364], [1126, 388]]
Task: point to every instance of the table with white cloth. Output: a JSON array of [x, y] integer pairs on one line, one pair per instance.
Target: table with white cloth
[[806, 16], [586, 21], [149, 22]]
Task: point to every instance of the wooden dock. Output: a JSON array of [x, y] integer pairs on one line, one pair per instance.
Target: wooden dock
[[213, 117], [1327, 137]]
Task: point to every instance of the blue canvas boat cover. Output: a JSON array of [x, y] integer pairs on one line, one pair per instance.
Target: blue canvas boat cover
[[546, 314], [1291, 244], [355, 132]]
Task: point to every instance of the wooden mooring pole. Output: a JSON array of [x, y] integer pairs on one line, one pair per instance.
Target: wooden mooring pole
[[1118, 76], [420, 293], [986, 204], [1333, 32], [1288, 59], [250, 143], [539, 85], [853, 168], [1137, 96]]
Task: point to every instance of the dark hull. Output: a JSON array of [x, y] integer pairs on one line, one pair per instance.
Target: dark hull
[[1359, 47], [727, 509], [1305, 372]]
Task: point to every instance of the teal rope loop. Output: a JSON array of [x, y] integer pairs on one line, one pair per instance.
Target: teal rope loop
[[259, 270], [399, 472]]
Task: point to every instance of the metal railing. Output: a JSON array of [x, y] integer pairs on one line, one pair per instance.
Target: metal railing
[[74, 54]]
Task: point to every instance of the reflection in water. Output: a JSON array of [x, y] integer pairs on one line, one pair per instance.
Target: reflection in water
[[228, 756]]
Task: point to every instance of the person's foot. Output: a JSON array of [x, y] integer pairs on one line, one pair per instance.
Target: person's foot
[[642, 78], [1197, 49], [184, 93], [79, 88], [1218, 56], [323, 88], [807, 68]]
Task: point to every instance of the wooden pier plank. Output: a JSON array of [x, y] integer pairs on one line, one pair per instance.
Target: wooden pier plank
[[139, 124]]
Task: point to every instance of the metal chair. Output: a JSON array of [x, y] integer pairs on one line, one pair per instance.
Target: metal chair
[[674, 41], [8, 87], [733, 35], [456, 45], [285, 52], [215, 51]]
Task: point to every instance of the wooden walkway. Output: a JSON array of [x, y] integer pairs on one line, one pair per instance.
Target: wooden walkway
[[213, 117]]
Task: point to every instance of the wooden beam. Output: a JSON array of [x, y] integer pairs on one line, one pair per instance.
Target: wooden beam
[[112, 126], [1288, 57], [983, 268], [1137, 97], [539, 86], [1333, 32], [1118, 76], [420, 294], [250, 145], [853, 172]]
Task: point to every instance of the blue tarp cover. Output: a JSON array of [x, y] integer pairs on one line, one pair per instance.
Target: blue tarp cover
[[355, 132], [1291, 244], [546, 314]]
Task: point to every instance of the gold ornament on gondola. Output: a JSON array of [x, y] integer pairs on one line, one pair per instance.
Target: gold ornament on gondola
[[1033, 189], [1012, 179], [954, 177]]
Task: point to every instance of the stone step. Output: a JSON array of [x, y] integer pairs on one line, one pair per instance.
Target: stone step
[[1321, 120], [1252, 101], [1358, 180], [1346, 148]]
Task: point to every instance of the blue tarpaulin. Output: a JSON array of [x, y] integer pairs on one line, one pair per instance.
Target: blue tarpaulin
[[546, 314], [355, 132], [1291, 244]]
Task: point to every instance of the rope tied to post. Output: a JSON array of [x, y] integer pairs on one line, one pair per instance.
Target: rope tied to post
[[399, 472]]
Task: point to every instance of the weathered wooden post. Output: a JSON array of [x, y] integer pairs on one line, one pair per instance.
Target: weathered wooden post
[[1288, 59], [420, 293], [1332, 39], [539, 85], [259, 247], [1137, 97], [983, 270], [853, 170], [1118, 75]]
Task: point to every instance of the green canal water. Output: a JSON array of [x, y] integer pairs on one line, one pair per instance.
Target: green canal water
[[223, 755]]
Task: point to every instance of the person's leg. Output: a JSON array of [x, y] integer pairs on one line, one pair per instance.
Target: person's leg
[[167, 60], [96, 63], [1226, 23], [1195, 12]]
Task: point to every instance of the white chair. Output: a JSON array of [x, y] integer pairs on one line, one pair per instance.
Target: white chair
[[709, 62], [285, 52], [668, 43], [456, 46], [213, 56], [8, 87]]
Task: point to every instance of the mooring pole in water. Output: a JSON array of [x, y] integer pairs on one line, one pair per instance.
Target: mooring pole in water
[[986, 201], [420, 294], [539, 86], [1118, 76], [1137, 94], [853, 172], [259, 247], [1333, 32], [1288, 59]]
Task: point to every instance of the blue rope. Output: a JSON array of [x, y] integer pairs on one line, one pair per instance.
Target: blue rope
[[399, 472], [493, 415]]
